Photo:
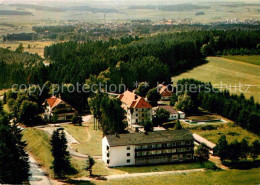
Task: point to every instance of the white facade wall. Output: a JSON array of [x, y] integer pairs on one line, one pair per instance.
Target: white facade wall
[[104, 149], [174, 116], [136, 116], [182, 115], [118, 154]]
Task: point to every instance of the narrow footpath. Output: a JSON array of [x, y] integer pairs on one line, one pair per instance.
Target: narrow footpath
[[38, 177]]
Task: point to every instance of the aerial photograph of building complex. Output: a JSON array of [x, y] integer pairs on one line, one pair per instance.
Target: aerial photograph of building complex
[[130, 92]]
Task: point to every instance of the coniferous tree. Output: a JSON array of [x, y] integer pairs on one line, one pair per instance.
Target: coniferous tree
[[178, 125], [255, 149], [222, 148], [61, 162], [14, 165], [244, 150], [90, 164], [202, 153], [234, 150]]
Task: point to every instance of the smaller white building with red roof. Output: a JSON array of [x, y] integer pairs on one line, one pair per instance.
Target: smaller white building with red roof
[[137, 108], [164, 92], [57, 107]]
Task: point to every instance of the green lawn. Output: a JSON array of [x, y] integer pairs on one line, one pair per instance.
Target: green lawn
[[88, 138], [230, 130], [38, 144], [253, 59], [229, 177], [230, 72], [166, 167], [101, 169]]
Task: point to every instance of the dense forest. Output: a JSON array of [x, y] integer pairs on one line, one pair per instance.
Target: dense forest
[[149, 59], [244, 112], [20, 36], [20, 68], [124, 60]]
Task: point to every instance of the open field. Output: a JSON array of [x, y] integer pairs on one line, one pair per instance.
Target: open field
[[230, 130], [215, 12], [36, 46], [226, 73], [88, 138], [254, 59], [229, 177]]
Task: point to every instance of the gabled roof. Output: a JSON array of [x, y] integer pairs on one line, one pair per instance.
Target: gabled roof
[[164, 90], [133, 100], [149, 137], [53, 101], [200, 139]]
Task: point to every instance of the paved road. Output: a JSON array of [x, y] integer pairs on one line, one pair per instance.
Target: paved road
[[38, 177], [70, 139], [86, 118]]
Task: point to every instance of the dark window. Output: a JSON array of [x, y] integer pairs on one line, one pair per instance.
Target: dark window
[[108, 161], [107, 154], [128, 154], [128, 160], [128, 148], [107, 147]]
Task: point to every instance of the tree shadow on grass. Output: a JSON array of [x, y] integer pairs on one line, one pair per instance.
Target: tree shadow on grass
[[243, 165]]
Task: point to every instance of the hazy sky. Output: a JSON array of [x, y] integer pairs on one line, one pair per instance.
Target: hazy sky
[[129, 1], [115, 2]]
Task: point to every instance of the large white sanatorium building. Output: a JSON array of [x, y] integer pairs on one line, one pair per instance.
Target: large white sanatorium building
[[159, 147]]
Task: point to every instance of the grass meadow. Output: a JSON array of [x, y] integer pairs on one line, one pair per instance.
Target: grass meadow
[[90, 140], [228, 177], [253, 59], [38, 144], [228, 74], [36, 46], [230, 130]]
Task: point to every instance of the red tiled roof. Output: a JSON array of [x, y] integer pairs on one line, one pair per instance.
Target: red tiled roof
[[133, 100], [164, 90], [54, 101]]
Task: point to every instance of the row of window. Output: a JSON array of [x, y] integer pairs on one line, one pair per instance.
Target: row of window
[[173, 157], [142, 109], [163, 145], [143, 115], [166, 151]]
